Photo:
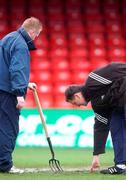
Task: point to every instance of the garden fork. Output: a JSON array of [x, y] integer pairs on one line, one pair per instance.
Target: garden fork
[[53, 163]]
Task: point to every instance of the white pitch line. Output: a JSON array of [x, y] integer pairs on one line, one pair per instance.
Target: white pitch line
[[39, 170]]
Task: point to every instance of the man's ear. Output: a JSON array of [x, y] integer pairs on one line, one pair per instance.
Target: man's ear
[[76, 95], [31, 32]]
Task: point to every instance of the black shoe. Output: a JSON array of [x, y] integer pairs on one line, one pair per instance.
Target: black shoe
[[113, 170]]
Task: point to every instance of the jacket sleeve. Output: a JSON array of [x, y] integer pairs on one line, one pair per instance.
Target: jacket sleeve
[[19, 71], [102, 113], [101, 131]]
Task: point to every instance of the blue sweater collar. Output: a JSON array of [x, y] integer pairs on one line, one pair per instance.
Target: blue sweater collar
[[29, 41]]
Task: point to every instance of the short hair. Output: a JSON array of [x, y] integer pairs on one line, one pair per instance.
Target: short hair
[[71, 90], [32, 23]]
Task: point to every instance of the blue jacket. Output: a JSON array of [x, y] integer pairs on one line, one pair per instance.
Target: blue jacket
[[15, 62]]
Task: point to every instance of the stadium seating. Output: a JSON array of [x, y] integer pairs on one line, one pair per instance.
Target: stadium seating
[[78, 36]]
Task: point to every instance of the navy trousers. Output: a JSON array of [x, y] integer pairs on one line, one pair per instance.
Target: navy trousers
[[9, 127], [118, 134]]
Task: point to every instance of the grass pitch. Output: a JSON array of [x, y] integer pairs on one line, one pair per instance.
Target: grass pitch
[[75, 162]]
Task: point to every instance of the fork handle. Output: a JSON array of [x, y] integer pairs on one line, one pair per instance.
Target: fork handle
[[43, 121], [50, 146], [40, 111]]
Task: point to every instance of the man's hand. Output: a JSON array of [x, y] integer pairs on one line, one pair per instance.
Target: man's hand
[[21, 102], [32, 86], [95, 163]]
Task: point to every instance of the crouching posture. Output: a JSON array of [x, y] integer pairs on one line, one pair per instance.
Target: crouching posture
[[106, 89]]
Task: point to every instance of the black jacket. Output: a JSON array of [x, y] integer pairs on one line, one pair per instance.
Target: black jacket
[[109, 81], [102, 113], [106, 89]]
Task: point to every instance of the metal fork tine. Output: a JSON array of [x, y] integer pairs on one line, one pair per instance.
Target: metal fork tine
[[58, 165], [51, 165], [55, 165]]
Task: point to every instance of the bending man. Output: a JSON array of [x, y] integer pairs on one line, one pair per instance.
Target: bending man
[[106, 89]]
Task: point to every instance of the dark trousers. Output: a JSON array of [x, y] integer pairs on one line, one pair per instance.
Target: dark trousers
[[9, 127], [118, 134]]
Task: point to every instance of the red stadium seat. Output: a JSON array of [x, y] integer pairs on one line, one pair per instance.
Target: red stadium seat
[[110, 14], [55, 4], [77, 40], [39, 53], [32, 77], [111, 4], [56, 26], [18, 12], [4, 27], [15, 24], [45, 91], [80, 64], [43, 76], [91, 4], [116, 40], [92, 14], [117, 59], [117, 53], [63, 76], [59, 98], [96, 40], [46, 100], [40, 64], [75, 26], [18, 3], [58, 40], [124, 11], [60, 64], [36, 3], [70, 4], [73, 14], [78, 52], [113, 26], [95, 27], [55, 13], [98, 63], [98, 52], [79, 76], [58, 52], [2, 35], [37, 12], [3, 3], [3, 12], [59, 89], [59, 102], [45, 88]]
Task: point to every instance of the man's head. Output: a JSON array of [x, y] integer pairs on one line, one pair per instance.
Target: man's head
[[33, 26], [73, 95]]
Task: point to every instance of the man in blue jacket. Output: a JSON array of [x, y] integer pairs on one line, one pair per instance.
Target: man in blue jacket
[[14, 79]]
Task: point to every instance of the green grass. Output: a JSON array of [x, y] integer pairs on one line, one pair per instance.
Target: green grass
[[76, 158]]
